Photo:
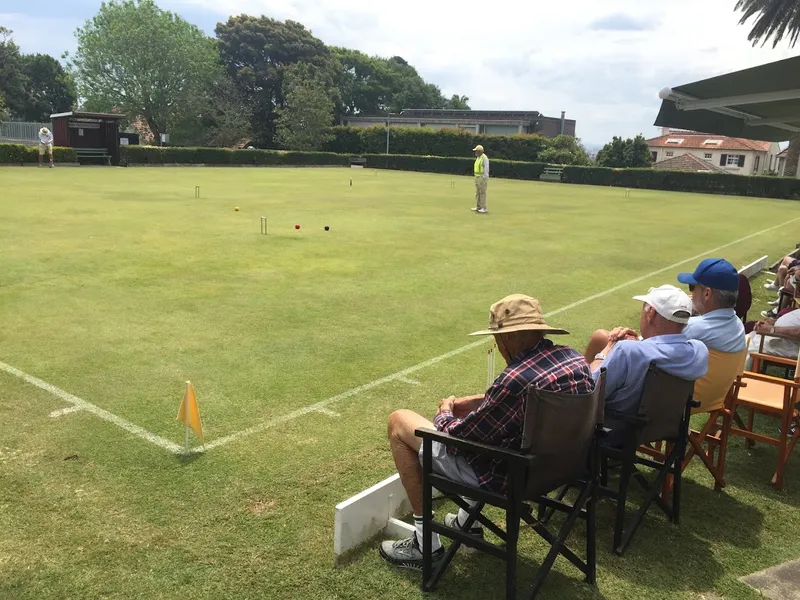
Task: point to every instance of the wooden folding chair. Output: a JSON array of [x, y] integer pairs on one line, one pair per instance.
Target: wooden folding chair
[[560, 445], [771, 396], [662, 416], [714, 391]]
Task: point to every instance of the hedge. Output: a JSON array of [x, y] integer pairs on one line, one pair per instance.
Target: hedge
[[711, 183], [681, 181], [155, 155], [18, 154], [422, 141]]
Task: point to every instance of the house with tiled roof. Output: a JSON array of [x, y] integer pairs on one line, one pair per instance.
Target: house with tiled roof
[[688, 163], [733, 155]]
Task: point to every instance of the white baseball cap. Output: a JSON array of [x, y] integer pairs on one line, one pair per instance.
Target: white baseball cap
[[670, 302]]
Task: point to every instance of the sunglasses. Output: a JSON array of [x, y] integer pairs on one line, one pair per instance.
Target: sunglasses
[[693, 285]]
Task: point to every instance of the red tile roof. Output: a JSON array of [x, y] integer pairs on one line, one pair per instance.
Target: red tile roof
[[697, 141], [687, 162]]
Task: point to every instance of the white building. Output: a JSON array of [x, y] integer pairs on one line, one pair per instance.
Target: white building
[[735, 155]]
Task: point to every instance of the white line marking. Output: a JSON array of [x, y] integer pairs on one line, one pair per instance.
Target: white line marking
[[396, 376], [65, 411], [81, 404], [329, 412], [409, 381]]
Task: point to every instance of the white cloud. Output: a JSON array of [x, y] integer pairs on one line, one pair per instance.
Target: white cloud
[[603, 63]]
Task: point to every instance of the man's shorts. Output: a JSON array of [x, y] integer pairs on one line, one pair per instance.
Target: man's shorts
[[453, 467], [45, 149]]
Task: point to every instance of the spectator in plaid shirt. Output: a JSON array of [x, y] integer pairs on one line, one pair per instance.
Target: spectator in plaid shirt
[[495, 418]]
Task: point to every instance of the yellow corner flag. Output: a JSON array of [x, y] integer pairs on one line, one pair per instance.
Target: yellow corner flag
[[189, 413]]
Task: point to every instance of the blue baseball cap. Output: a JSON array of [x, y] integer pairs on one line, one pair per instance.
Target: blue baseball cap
[[716, 273]]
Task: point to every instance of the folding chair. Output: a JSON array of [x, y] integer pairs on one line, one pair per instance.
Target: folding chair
[[774, 397], [662, 416], [560, 445], [762, 360]]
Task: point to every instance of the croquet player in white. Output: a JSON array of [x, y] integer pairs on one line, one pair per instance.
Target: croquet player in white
[[45, 145]]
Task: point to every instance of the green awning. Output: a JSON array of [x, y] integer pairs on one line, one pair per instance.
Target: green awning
[[762, 103]]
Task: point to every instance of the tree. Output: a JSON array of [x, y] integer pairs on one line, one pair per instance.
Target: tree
[[564, 150], [457, 102], [257, 51], [50, 89], [229, 114], [304, 120], [147, 62], [3, 109], [621, 153], [12, 79], [776, 19]]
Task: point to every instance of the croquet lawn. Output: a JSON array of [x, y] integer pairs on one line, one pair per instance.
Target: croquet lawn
[[117, 286]]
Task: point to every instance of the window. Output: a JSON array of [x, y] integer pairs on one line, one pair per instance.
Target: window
[[669, 153], [755, 166], [675, 140], [713, 142], [654, 156], [707, 156], [733, 160]]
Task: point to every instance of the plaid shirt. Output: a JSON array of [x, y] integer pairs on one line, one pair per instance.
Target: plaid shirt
[[500, 417]]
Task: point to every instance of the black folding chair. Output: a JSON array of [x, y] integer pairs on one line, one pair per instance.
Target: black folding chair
[[560, 445], [662, 417]]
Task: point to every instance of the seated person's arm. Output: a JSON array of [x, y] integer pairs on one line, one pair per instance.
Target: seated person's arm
[[767, 326], [490, 417], [463, 406], [616, 366]]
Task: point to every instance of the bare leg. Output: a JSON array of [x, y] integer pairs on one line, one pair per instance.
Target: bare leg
[[41, 159], [51, 156], [781, 276], [597, 342], [405, 451]]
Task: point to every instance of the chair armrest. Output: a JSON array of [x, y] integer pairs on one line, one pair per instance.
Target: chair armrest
[[781, 360], [512, 456], [782, 336], [770, 379], [694, 403]]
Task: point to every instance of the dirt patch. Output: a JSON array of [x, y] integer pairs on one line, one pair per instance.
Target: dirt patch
[[261, 507]]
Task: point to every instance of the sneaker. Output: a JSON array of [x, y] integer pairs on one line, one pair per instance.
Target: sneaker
[[774, 302], [407, 553], [772, 286], [769, 314], [52, 166], [483, 211], [451, 520], [474, 208]]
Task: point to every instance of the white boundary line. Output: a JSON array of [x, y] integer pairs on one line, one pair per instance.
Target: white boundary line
[[322, 406], [402, 375], [81, 404]]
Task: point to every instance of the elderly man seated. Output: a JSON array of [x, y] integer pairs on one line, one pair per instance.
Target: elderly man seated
[[665, 313], [495, 418], [787, 325], [714, 286]]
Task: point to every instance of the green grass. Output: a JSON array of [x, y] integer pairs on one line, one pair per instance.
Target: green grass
[[117, 286]]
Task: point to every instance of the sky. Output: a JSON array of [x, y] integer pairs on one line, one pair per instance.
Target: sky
[[601, 62]]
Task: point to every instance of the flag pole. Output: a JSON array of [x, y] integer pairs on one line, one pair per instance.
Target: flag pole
[[186, 425]]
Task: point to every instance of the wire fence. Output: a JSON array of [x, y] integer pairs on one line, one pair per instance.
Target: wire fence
[[21, 132]]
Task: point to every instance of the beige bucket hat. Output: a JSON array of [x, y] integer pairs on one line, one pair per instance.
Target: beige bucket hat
[[517, 312]]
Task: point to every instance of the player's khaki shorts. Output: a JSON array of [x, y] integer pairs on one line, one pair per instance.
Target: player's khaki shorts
[[45, 149]]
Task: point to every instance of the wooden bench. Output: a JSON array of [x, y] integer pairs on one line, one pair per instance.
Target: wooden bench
[[357, 162], [551, 174], [100, 153]]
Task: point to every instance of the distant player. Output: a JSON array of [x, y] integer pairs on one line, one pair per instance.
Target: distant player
[[481, 179], [45, 145]]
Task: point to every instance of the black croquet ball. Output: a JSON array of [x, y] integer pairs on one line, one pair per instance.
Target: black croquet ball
[[326, 228]]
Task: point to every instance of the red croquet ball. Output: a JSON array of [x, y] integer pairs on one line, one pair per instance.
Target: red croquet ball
[[297, 226]]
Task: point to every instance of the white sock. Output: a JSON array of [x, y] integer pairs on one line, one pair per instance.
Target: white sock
[[435, 541], [464, 515]]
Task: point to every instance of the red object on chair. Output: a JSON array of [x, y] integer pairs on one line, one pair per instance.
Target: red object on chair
[[745, 299]]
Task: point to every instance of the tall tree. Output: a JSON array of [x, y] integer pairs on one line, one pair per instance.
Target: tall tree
[[304, 120], [457, 102], [50, 89], [230, 115], [3, 109], [12, 79], [619, 153], [776, 19], [147, 62], [564, 150], [256, 51]]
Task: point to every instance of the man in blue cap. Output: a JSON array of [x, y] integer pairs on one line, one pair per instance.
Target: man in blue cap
[[714, 287]]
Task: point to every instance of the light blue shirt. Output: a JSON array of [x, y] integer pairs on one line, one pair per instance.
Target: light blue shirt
[[627, 363], [720, 330]]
